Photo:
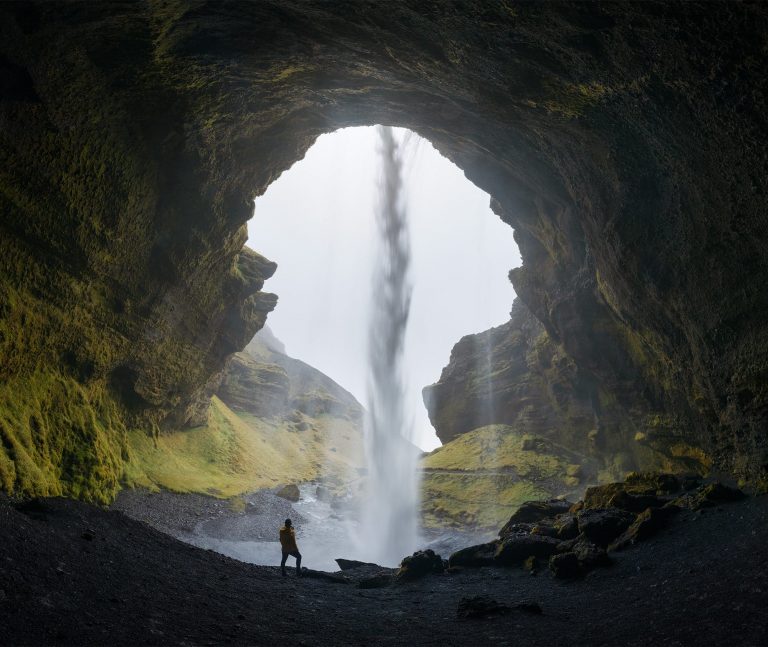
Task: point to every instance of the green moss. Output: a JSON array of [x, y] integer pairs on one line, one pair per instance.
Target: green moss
[[59, 438], [238, 453], [482, 477], [482, 500]]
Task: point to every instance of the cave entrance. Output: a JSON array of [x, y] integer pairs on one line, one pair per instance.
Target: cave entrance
[[328, 224], [316, 221]]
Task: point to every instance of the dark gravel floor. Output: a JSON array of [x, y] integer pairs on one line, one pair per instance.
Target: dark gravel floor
[[75, 574]]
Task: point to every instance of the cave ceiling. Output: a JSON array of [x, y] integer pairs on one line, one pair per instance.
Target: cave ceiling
[[625, 144]]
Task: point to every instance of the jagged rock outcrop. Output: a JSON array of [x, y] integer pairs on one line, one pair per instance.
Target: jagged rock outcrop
[[516, 375], [267, 383], [624, 143]]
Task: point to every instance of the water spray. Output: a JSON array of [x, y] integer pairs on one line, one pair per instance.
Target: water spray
[[389, 521]]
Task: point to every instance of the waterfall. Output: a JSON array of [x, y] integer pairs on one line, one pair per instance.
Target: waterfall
[[389, 520]]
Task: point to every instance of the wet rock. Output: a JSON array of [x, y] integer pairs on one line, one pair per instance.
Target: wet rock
[[289, 492], [533, 511], [577, 562], [638, 492], [350, 564], [481, 606], [323, 493], [566, 526], [604, 526], [421, 563], [474, 556], [709, 496], [514, 550], [647, 524], [322, 575]]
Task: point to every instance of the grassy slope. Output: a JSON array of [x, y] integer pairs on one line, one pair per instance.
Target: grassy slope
[[482, 477], [237, 453]]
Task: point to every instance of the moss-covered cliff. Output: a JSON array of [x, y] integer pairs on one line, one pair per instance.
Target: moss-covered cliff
[[624, 143]]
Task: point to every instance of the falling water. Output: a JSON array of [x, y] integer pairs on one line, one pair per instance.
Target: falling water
[[389, 520]]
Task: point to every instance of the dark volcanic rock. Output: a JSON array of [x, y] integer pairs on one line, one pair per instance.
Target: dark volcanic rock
[[475, 556], [532, 511], [421, 563], [647, 524], [603, 526], [515, 549], [349, 564]]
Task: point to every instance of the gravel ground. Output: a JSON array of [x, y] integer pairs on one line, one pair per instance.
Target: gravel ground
[[77, 574], [187, 515]]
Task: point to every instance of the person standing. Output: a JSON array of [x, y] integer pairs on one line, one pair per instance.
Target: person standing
[[289, 547]]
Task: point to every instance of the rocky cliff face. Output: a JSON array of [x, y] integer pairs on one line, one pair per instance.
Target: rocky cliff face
[[625, 145], [516, 375], [267, 383]]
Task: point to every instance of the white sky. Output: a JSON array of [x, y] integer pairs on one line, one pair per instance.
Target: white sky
[[317, 222]]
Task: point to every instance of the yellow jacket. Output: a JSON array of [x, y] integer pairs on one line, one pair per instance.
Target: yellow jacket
[[288, 540]]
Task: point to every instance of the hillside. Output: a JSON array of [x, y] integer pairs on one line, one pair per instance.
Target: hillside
[[275, 420], [480, 478]]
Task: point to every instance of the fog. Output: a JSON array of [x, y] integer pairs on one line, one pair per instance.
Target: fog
[[317, 222]]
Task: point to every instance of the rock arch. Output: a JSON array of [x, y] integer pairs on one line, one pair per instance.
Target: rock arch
[[624, 144]]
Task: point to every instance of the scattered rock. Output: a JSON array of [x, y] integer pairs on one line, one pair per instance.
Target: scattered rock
[[289, 492], [604, 526], [709, 496], [638, 491], [648, 523], [514, 550], [350, 564], [322, 575], [421, 563], [533, 511], [481, 606], [475, 556]]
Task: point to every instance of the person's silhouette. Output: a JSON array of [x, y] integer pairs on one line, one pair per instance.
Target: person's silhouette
[[289, 547]]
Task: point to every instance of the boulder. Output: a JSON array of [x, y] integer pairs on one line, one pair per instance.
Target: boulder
[[582, 558], [474, 556], [648, 523], [533, 511], [289, 492], [602, 527], [637, 492], [421, 563], [350, 564], [709, 496], [322, 575], [514, 550]]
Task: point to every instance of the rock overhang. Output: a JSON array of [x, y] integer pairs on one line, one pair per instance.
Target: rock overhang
[[622, 143]]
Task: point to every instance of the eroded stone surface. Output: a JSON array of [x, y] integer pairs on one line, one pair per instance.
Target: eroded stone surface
[[625, 145]]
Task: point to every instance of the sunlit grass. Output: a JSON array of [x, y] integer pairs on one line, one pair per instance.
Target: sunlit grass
[[238, 453]]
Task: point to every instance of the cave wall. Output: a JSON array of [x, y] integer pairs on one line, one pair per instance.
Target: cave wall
[[624, 143]]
